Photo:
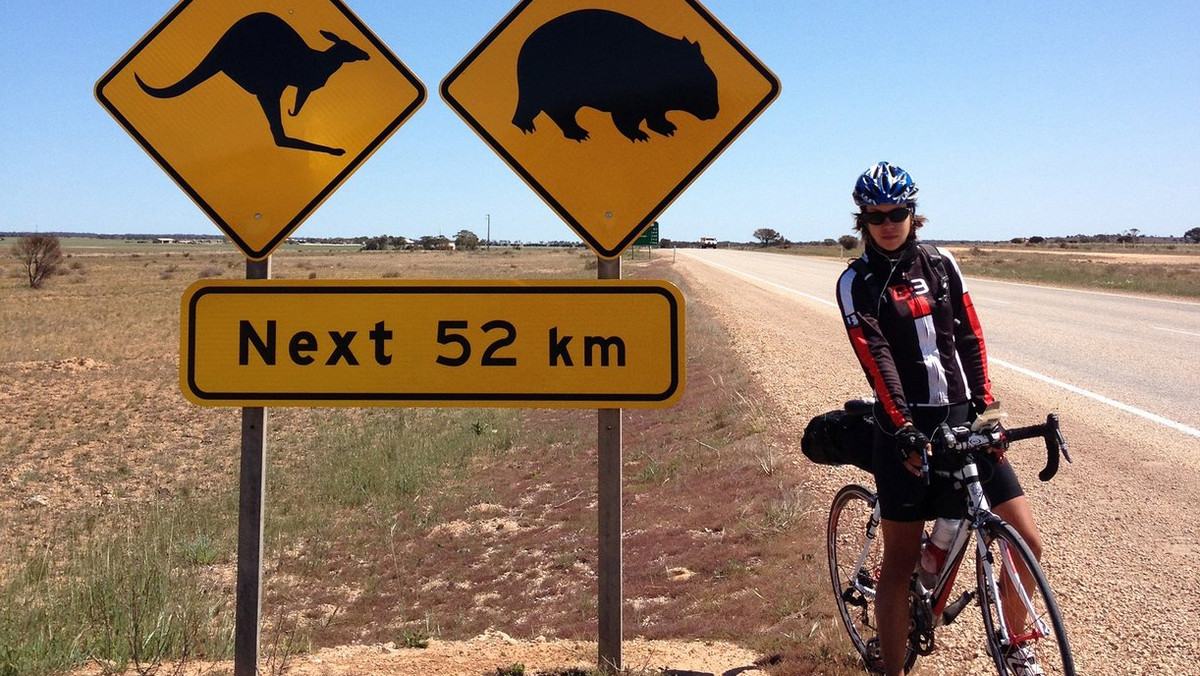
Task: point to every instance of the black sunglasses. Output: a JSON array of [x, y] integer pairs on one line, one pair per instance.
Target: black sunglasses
[[895, 215]]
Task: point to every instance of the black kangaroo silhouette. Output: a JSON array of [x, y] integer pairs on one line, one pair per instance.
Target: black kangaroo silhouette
[[264, 55]]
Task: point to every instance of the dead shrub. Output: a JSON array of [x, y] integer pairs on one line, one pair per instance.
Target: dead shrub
[[41, 255]]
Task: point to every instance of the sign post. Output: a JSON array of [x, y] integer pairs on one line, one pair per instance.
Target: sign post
[[609, 569], [252, 487], [608, 110]]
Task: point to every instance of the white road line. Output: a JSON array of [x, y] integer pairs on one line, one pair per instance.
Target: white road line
[[1191, 431], [1099, 397], [1186, 333]]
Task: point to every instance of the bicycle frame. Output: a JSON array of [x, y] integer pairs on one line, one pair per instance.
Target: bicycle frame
[[978, 513], [1010, 585]]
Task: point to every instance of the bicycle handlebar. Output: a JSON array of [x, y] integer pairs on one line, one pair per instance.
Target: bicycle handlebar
[[963, 439]]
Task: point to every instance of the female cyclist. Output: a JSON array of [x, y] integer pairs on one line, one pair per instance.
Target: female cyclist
[[915, 333]]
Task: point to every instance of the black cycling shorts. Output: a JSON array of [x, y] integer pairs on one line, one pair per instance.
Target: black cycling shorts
[[904, 497]]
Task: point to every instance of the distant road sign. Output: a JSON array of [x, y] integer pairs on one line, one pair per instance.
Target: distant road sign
[[593, 344], [609, 109], [649, 237], [205, 94]]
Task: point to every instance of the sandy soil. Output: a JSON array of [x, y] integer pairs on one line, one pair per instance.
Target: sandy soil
[[482, 654]]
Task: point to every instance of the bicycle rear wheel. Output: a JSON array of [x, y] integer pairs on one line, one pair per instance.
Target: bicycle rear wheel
[[1013, 587], [855, 549]]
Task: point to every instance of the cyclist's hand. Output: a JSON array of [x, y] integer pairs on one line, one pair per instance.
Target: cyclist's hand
[[1001, 447], [979, 405], [913, 446]]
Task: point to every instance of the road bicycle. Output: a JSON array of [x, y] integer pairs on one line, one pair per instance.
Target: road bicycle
[[1005, 569]]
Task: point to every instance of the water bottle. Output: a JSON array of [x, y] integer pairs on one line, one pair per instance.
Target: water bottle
[[934, 549]]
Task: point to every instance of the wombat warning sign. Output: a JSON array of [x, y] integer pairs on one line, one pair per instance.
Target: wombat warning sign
[[609, 110]]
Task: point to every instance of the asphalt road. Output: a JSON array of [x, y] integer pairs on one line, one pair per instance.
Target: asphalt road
[[1122, 547], [1135, 353]]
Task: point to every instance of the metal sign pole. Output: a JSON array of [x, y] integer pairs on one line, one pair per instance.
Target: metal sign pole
[[252, 490], [609, 567]]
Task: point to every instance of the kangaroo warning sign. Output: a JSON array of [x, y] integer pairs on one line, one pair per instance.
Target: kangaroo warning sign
[[260, 110], [609, 109]]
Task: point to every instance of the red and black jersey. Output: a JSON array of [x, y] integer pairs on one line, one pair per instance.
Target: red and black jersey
[[914, 329]]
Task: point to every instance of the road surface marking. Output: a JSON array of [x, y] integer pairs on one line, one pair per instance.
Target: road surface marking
[[1186, 333], [1019, 369], [1100, 398]]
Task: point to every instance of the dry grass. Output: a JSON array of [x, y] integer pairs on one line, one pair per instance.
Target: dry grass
[[371, 539], [1081, 268]]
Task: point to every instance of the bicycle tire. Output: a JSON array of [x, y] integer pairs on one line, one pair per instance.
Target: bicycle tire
[[846, 535], [1051, 647]]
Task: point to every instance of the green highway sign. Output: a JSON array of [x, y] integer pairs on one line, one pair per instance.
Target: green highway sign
[[649, 237]]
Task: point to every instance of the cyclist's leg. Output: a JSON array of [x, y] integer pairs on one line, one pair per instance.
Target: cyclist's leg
[[1017, 513], [901, 549]]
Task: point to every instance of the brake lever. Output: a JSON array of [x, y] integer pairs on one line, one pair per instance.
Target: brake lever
[[1055, 442], [1062, 441], [948, 442]]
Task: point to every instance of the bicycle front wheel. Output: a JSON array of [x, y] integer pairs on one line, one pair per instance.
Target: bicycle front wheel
[[855, 549], [1020, 616]]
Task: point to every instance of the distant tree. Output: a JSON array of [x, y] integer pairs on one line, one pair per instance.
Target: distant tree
[[1036, 239], [1192, 235], [767, 236], [41, 255], [848, 242], [430, 242], [465, 239], [379, 243]]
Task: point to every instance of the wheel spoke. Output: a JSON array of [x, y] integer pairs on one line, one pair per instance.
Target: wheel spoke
[[1020, 616]]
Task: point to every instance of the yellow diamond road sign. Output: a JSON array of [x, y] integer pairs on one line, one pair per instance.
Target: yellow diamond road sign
[[260, 110], [609, 109]]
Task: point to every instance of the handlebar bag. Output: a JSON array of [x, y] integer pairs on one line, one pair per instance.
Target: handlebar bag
[[839, 438]]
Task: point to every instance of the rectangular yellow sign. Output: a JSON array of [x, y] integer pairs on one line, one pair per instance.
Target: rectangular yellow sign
[[535, 343]]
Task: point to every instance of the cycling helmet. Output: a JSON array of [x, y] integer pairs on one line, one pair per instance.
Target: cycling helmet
[[884, 184]]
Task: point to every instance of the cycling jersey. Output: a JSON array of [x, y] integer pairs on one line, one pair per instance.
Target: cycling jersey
[[914, 330]]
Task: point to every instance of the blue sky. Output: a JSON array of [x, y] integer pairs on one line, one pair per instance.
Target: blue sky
[[1015, 118]]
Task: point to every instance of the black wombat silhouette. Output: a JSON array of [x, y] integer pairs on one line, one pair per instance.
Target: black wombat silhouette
[[613, 63], [264, 55]]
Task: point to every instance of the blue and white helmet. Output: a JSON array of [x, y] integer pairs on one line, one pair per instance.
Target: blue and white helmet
[[884, 184]]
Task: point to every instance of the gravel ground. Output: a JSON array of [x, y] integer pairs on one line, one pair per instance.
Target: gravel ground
[[1122, 550]]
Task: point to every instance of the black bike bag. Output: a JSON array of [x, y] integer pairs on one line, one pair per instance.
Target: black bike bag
[[841, 437]]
